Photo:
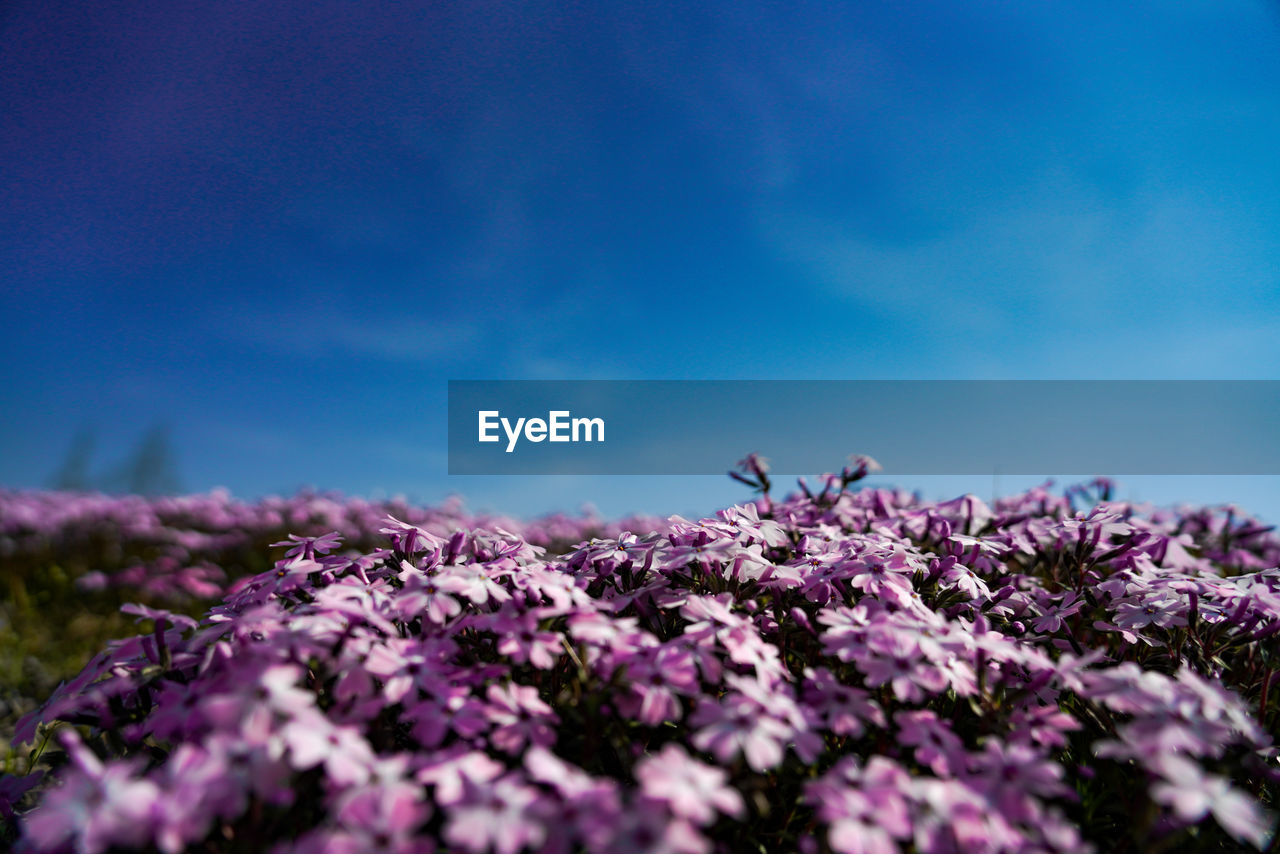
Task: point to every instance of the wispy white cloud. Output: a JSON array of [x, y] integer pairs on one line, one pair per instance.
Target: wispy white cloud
[[325, 331], [1167, 283]]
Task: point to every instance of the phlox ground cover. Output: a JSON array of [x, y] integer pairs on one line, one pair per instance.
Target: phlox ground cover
[[841, 670], [68, 561]]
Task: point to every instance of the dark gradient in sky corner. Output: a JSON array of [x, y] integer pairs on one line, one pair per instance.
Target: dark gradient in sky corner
[[281, 228]]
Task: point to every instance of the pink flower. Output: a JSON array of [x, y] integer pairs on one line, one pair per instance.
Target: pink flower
[[98, 805], [1051, 620], [659, 676], [432, 596], [453, 771], [312, 740], [308, 547], [200, 785], [645, 828], [387, 810], [1194, 794], [411, 698], [1149, 611], [411, 539], [520, 717], [711, 618], [251, 702], [447, 708], [497, 816], [586, 809], [864, 808], [406, 665], [477, 583], [936, 746], [882, 576], [895, 659], [690, 789], [1011, 771], [843, 709], [737, 725], [520, 639]]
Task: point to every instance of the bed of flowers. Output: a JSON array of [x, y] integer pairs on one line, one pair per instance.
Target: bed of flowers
[[186, 547], [68, 561], [845, 669]]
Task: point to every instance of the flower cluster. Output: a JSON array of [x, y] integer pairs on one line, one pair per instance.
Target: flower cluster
[[180, 548], [70, 560], [844, 671]]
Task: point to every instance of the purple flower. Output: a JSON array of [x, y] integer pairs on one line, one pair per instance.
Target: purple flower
[[385, 812], [736, 726], [13, 788], [935, 745], [659, 676], [452, 772], [200, 785], [894, 658], [476, 583], [865, 809], [447, 708], [691, 789], [586, 809], [843, 709], [520, 639], [755, 722], [1193, 795], [433, 596], [645, 828], [520, 717], [1010, 772], [499, 816], [307, 548], [879, 672], [411, 539], [343, 750], [1149, 611], [409, 666], [1051, 620], [98, 805]]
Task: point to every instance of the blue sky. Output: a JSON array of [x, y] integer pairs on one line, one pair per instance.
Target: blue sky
[[281, 228]]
